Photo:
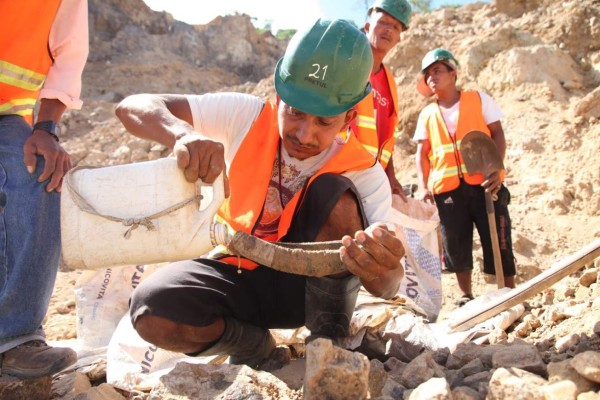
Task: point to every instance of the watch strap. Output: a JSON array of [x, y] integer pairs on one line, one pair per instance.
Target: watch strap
[[49, 127]]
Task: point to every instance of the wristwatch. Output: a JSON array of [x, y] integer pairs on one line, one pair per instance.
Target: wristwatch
[[50, 127]]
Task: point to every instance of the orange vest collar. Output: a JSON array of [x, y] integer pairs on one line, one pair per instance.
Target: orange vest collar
[[257, 154]]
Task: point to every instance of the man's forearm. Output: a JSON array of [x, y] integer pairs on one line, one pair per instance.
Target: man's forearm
[[51, 110], [148, 117]]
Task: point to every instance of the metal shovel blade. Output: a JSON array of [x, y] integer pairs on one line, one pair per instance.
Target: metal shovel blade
[[480, 154]]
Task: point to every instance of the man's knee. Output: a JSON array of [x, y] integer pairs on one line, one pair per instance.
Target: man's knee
[[329, 210], [346, 215], [345, 218], [154, 330]]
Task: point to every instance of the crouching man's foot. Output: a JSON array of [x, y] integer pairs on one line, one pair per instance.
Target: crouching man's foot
[[248, 344], [277, 359], [35, 359]]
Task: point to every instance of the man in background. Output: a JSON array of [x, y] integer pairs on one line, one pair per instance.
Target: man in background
[[375, 124], [459, 196]]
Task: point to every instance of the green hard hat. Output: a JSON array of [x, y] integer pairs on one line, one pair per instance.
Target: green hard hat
[[325, 69], [433, 56], [441, 55], [399, 9]]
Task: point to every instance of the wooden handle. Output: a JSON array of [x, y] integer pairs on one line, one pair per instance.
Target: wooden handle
[[498, 269], [546, 279]]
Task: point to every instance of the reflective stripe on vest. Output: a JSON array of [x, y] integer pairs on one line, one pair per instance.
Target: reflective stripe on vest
[[22, 107], [242, 209], [366, 124], [12, 74], [24, 63], [444, 155], [384, 157], [366, 121]]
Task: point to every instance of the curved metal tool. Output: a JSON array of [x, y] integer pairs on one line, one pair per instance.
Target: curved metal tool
[[481, 156]]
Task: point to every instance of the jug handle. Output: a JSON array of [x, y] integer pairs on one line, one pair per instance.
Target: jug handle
[[218, 197]]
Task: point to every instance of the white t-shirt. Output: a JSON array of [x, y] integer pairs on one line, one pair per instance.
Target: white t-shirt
[[491, 113], [227, 118]]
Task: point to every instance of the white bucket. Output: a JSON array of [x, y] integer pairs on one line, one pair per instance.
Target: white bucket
[[142, 213]]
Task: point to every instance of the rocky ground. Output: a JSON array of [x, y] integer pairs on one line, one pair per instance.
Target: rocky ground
[[539, 59]]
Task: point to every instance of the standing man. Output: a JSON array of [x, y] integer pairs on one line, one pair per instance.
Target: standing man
[[311, 182], [459, 196], [43, 49], [375, 124]]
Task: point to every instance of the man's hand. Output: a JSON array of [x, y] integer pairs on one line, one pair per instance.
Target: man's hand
[[200, 159], [424, 194], [374, 255], [493, 183], [56, 159]]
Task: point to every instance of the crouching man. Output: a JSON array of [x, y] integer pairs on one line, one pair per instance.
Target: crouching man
[[295, 174]]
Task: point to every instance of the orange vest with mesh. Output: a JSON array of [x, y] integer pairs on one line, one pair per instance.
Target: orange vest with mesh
[[366, 124], [447, 164], [24, 63], [247, 196]]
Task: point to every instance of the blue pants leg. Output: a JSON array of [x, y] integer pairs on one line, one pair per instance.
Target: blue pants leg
[[29, 239]]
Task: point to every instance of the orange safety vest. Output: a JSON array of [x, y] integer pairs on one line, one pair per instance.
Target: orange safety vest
[[242, 209], [24, 62], [366, 125], [447, 164]]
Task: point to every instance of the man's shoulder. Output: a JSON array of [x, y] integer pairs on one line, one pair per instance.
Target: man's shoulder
[[234, 97], [429, 109], [226, 102]]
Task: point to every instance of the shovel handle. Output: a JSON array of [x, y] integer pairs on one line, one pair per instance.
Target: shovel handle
[[489, 207]]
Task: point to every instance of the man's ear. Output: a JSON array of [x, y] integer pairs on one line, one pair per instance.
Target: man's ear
[[367, 26], [453, 72], [350, 115]]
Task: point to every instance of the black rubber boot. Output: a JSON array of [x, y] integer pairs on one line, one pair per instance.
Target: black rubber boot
[[329, 304], [244, 343]]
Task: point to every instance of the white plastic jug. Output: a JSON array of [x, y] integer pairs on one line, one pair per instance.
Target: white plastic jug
[[140, 213]]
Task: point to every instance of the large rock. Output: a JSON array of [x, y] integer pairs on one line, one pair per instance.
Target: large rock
[[433, 389], [545, 67], [335, 373], [16, 389], [420, 370], [521, 356], [201, 381], [587, 364], [132, 45], [516, 8], [515, 384]]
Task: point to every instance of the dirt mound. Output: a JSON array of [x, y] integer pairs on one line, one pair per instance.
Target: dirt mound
[[134, 49]]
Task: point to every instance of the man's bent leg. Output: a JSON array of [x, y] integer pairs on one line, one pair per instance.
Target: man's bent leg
[[204, 307], [245, 343], [331, 205]]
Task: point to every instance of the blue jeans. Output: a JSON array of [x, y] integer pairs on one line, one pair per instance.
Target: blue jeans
[[29, 239]]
